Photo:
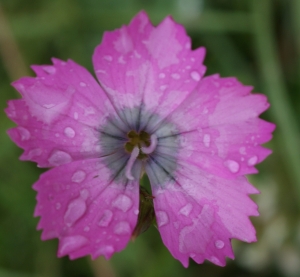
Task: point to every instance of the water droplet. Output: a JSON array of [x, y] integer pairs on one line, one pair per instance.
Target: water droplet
[[122, 228], [105, 218], [82, 84], [219, 244], [162, 218], [108, 58], [84, 194], [75, 211], [48, 106], [122, 202], [188, 45], [78, 176], [186, 209], [242, 150], [69, 132], [34, 152], [24, 133], [163, 87], [59, 157], [232, 165], [72, 243], [252, 161], [205, 111], [161, 75], [57, 206], [86, 229], [136, 212], [206, 140], [49, 69], [195, 76], [106, 250], [75, 115], [175, 76], [215, 260], [193, 255]]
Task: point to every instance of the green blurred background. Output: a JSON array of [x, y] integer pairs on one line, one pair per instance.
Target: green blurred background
[[257, 41]]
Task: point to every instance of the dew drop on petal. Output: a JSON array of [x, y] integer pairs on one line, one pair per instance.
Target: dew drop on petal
[[69, 132], [122, 228], [86, 229], [75, 115], [206, 140], [82, 84], [163, 87], [49, 69], [162, 218], [57, 206], [78, 176], [59, 157], [215, 260], [136, 212], [24, 133], [232, 165], [252, 161], [195, 76], [75, 211], [108, 58], [122, 202], [242, 150], [186, 209], [219, 244], [161, 75], [107, 251], [84, 194], [72, 243], [175, 76], [34, 152], [106, 218]]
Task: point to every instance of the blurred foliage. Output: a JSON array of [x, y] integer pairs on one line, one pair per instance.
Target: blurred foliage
[[260, 47]]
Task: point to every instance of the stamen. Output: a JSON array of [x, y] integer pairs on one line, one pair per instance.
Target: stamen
[[134, 154], [152, 146]]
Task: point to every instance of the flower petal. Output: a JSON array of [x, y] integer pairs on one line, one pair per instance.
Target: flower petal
[[198, 214], [59, 115], [87, 211], [144, 65], [219, 127]]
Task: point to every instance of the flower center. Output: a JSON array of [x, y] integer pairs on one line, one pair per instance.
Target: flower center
[[139, 145]]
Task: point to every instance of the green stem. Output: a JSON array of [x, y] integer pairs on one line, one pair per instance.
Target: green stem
[[287, 129]]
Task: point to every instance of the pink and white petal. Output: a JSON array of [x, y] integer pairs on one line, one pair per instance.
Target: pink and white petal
[[140, 63], [59, 115], [198, 215], [87, 211], [219, 127]]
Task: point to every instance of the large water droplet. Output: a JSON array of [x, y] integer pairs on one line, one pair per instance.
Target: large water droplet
[[49, 69], [252, 161], [161, 75], [206, 140], [69, 132], [195, 76], [75, 115], [122, 202], [82, 84], [219, 244], [78, 176], [232, 165], [59, 157], [105, 218], [186, 209], [75, 211], [84, 194], [106, 250], [57, 206], [242, 150], [122, 228], [162, 218], [24, 133], [72, 243]]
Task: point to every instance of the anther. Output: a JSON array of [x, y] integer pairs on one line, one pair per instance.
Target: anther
[[134, 154], [152, 146]]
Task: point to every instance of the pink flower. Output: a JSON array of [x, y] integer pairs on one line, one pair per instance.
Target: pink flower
[[153, 112]]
